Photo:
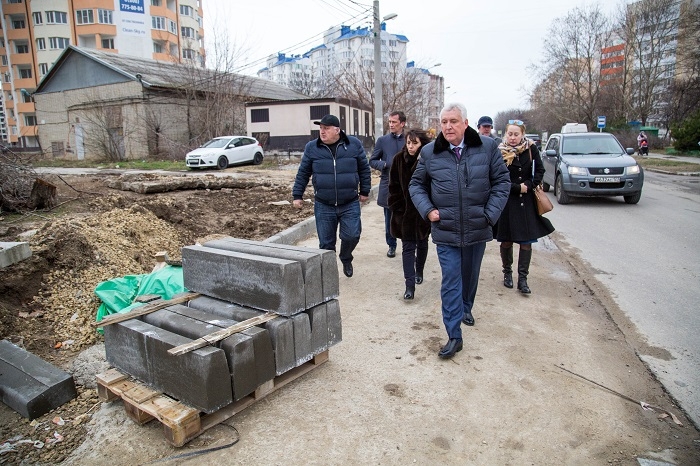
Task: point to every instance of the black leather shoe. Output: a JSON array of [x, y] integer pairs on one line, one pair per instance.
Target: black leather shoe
[[468, 319], [347, 269], [419, 279], [453, 346], [391, 252], [409, 293]]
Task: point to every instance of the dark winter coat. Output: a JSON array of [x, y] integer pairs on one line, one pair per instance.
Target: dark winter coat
[[384, 150], [520, 221], [335, 179], [406, 222], [469, 194]]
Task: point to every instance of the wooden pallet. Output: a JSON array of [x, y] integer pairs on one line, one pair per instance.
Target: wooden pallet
[[182, 423]]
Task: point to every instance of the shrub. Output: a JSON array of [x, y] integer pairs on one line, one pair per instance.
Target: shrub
[[686, 135]]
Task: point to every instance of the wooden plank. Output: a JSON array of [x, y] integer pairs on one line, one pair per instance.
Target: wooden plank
[[221, 334], [143, 310], [140, 394], [136, 414], [110, 377]]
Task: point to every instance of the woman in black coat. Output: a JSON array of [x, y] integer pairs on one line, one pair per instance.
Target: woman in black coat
[[520, 223], [406, 222]]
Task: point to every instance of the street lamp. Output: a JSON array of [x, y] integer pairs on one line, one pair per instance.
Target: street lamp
[[378, 104]]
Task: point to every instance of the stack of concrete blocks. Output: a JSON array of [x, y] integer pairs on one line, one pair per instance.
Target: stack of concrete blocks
[[238, 280]]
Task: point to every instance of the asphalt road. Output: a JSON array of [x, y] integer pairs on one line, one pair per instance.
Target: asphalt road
[[647, 255]]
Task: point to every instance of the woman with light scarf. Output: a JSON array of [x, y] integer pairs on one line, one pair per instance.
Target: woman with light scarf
[[520, 223]]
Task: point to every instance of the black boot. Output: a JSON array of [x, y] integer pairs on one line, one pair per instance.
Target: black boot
[[523, 269], [410, 291], [507, 261]]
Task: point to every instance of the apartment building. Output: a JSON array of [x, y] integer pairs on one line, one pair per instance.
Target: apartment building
[[35, 33]]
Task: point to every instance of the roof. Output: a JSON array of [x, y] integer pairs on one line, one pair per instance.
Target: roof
[[155, 73]]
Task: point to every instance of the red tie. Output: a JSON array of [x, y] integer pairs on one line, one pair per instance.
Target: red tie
[[457, 150]]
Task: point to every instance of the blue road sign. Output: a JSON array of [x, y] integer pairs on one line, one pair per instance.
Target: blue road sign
[[601, 122]]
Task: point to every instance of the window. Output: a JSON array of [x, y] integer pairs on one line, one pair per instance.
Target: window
[[22, 48], [29, 120], [319, 111], [56, 17], [83, 17], [172, 27], [189, 54], [187, 32], [25, 73], [174, 51], [40, 44], [107, 43], [14, 1], [105, 17], [259, 115], [57, 148], [7, 77], [26, 97], [37, 18], [58, 43], [18, 24], [186, 10], [43, 68], [4, 60], [156, 2], [157, 48], [158, 22]]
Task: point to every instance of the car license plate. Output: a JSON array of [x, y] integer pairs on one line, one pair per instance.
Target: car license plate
[[607, 179]]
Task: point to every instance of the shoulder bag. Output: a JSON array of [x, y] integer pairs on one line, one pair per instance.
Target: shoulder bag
[[544, 205]]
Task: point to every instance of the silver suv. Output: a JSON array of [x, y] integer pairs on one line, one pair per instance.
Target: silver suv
[[590, 164]]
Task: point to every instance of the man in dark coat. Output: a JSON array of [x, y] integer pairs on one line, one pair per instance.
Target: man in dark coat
[[461, 185], [384, 150], [338, 169]]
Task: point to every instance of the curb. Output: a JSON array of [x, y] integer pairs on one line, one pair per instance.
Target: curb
[[665, 172]]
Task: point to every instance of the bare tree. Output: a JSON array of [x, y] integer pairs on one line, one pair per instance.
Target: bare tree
[[650, 31], [571, 66]]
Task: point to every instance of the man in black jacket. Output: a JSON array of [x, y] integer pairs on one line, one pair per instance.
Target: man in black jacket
[[461, 185], [383, 154], [340, 174]]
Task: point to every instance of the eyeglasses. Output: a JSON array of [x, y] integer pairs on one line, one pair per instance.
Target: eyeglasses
[[515, 122]]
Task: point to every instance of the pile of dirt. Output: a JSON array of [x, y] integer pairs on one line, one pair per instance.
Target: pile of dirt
[[47, 302]]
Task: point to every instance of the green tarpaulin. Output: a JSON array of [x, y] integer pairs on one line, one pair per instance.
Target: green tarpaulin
[[118, 294]]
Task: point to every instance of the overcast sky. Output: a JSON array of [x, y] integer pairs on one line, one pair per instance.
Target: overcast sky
[[484, 48]]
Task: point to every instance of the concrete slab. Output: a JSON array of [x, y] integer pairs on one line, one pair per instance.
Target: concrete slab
[[265, 283], [199, 378], [11, 253], [302, 338], [310, 262], [281, 330], [30, 385], [318, 319], [335, 328], [329, 264]]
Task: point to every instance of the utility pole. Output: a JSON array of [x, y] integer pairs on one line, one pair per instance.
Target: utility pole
[[378, 104]]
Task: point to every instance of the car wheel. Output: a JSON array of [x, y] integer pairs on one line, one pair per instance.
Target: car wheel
[[222, 162], [258, 158], [633, 198], [545, 187], [559, 193]]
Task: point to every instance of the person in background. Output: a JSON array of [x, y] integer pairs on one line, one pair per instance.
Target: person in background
[[485, 127], [520, 222], [461, 185], [384, 150], [642, 143], [335, 163], [406, 222]]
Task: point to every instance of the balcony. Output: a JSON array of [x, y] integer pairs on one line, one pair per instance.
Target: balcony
[[25, 83], [13, 8], [25, 107], [21, 58], [16, 34], [29, 130]]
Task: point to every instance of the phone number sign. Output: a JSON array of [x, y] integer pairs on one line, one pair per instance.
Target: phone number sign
[[132, 6]]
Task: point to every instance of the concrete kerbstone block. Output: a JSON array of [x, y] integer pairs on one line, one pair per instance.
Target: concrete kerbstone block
[[266, 283], [12, 252], [310, 262], [335, 328], [329, 264], [302, 338], [30, 385], [199, 378], [318, 319]]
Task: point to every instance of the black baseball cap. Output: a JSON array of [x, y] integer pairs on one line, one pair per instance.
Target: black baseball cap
[[328, 120], [485, 120]]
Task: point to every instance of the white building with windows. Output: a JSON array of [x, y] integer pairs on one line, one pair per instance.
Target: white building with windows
[[36, 32]]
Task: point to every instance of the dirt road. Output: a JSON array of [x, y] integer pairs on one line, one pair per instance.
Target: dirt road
[[385, 398]]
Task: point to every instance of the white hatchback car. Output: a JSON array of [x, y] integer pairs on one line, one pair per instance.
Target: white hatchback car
[[225, 151]]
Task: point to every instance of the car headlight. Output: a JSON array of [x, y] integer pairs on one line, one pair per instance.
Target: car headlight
[[577, 171], [634, 170]]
